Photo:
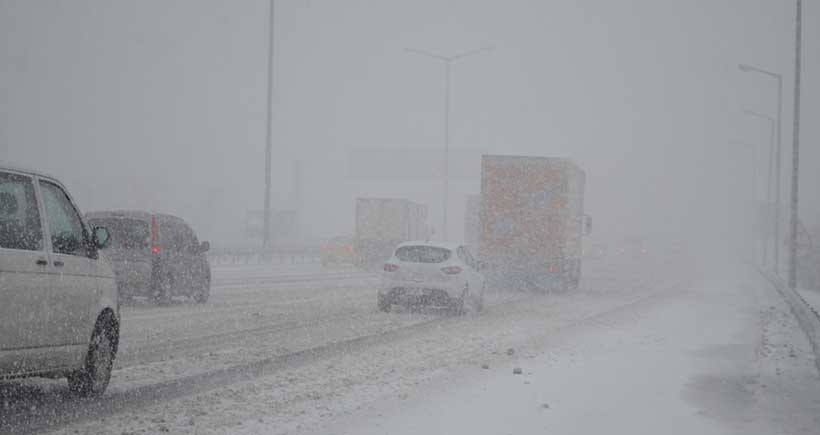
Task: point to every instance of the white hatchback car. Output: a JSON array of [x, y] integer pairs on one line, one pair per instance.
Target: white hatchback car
[[432, 273], [58, 298]]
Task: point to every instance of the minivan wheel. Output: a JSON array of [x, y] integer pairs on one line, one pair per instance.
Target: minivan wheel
[[93, 378]]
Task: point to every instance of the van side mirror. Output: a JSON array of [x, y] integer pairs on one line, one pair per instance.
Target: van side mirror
[[205, 246], [101, 237]]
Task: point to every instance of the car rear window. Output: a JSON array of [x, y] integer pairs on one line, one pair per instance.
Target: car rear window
[[126, 233], [423, 254]]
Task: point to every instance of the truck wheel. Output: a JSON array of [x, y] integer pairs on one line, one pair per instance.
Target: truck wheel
[[93, 378]]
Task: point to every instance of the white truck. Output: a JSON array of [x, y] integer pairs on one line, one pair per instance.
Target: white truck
[[383, 223], [531, 222]]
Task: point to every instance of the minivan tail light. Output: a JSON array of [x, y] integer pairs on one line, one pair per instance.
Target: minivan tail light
[[451, 270], [388, 267]]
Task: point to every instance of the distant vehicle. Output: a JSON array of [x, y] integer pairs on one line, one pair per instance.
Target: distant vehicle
[[433, 274], [383, 223], [155, 255], [337, 250], [532, 221], [59, 315], [633, 247]]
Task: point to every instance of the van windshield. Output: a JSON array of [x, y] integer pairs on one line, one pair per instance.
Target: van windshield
[[126, 233], [423, 254]]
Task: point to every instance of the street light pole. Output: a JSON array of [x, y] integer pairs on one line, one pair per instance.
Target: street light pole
[[269, 133], [447, 61], [778, 153], [772, 126], [795, 148]]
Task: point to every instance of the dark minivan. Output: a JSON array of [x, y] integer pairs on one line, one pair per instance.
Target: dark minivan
[[155, 255]]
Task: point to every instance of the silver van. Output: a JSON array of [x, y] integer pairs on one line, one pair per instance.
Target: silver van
[[58, 298], [155, 255]]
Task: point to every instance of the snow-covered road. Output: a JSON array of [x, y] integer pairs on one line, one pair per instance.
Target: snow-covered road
[[303, 350], [724, 357]]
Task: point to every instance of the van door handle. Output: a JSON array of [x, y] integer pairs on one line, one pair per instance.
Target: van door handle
[[42, 262], [58, 263]]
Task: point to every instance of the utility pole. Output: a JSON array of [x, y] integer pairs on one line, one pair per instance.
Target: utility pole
[[269, 132], [447, 60], [795, 148]]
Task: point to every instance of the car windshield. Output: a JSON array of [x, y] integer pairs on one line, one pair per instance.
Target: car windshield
[[125, 233], [423, 254]]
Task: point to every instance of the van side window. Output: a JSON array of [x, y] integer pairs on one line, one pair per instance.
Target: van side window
[[20, 226], [67, 234]]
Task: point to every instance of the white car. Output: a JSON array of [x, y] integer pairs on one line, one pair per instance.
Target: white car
[[432, 273], [58, 298]]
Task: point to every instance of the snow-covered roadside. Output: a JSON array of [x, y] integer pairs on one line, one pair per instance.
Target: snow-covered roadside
[[726, 358]]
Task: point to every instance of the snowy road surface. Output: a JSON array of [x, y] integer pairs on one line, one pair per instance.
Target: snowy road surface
[[725, 357], [304, 351]]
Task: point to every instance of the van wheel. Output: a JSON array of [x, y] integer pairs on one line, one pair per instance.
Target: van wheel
[[93, 378]]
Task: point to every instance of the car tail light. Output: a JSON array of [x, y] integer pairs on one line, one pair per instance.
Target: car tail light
[[154, 235], [388, 267], [552, 269], [451, 270]]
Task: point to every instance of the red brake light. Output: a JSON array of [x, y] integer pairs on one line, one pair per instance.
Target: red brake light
[[451, 270], [388, 267], [155, 249], [552, 269]]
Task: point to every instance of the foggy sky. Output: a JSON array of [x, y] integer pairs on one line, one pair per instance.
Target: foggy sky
[[161, 104]]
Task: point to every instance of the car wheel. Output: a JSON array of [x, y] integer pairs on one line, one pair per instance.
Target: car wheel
[[93, 378], [202, 292]]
